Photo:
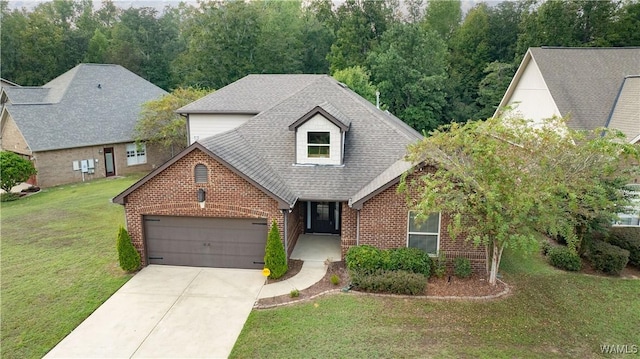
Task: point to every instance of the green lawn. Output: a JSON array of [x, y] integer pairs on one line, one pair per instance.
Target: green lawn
[[550, 314], [59, 262]]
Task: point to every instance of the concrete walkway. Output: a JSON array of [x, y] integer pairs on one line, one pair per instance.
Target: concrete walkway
[[315, 251]]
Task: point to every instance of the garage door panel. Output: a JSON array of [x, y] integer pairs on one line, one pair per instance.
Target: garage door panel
[[206, 242]]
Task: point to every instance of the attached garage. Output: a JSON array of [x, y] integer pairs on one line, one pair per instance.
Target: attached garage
[[206, 242]]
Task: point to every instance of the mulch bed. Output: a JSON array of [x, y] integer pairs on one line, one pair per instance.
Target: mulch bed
[[474, 287]]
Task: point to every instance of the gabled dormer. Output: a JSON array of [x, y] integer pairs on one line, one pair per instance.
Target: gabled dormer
[[320, 136]]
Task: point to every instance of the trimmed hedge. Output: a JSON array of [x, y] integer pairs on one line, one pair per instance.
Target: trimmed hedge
[[564, 258], [608, 258], [462, 267], [409, 259], [364, 258], [369, 259], [385, 281], [627, 238]]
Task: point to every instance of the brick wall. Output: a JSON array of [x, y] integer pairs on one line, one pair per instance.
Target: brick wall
[[384, 222], [173, 192], [12, 139], [55, 167]]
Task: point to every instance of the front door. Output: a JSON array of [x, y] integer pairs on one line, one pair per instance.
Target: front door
[[323, 217], [109, 162]]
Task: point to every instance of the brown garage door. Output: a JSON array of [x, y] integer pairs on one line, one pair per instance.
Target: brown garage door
[[206, 242]]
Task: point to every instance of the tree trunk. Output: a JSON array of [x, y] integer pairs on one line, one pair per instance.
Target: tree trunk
[[495, 262]]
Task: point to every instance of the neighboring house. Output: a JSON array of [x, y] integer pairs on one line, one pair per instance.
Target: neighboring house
[[301, 150], [7, 83], [79, 126], [595, 87]]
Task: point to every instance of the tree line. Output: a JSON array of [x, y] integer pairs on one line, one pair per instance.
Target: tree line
[[431, 63]]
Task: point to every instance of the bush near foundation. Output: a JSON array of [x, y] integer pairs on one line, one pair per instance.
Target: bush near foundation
[[395, 282], [128, 256], [462, 267], [369, 259], [275, 257]]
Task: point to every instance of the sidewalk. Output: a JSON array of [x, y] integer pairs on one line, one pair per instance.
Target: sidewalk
[[310, 273]]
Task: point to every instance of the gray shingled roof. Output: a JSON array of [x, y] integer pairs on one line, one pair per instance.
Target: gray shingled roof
[[625, 115], [251, 94], [264, 149], [73, 111], [584, 82]]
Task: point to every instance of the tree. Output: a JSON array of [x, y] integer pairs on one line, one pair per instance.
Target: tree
[[409, 69], [468, 58], [504, 180], [14, 170], [275, 257], [128, 256], [158, 122], [357, 78], [443, 16], [361, 24], [492, 87]]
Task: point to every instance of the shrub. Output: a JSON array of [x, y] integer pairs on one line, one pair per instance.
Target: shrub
[[564, 258], [15, 169], [275, 257], [408, 259], [439, 265], [294, 293], [627, 238], [128, 256], [335, 280], [608, 258], [396, 282], [9, 196], [364, 258], [462, 267], [545, 247]]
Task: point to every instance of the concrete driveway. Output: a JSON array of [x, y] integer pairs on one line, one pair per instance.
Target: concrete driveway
[[168, 312]]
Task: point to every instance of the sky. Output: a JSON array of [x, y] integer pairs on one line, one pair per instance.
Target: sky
[[161, 4]]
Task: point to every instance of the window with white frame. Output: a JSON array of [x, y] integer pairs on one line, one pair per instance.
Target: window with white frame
[[136, 153], [424, 233], [318, 144]]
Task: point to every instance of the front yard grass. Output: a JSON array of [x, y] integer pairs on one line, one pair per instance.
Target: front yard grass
[[550, 313], [59, 262]]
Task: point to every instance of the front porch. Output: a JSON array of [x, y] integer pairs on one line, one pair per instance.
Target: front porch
[[317, 248]]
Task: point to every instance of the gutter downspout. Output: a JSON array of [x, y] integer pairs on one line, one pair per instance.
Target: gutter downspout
[[285, 213], [358, 227]]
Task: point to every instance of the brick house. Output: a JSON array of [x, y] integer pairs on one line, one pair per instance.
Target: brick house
[[301, 150], [79, 126]]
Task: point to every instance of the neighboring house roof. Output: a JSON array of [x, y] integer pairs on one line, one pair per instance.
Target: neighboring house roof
[[251, 94], [583, 82], [7, 83], [263, 149], [625, 114], [91, 104]]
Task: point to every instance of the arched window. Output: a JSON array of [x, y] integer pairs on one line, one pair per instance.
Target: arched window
[[201, 173]]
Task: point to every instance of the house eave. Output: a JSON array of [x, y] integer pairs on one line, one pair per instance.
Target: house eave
[[121, 198]]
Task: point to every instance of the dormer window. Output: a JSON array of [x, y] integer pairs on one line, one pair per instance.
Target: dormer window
[[320, 136], [318, 144]]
